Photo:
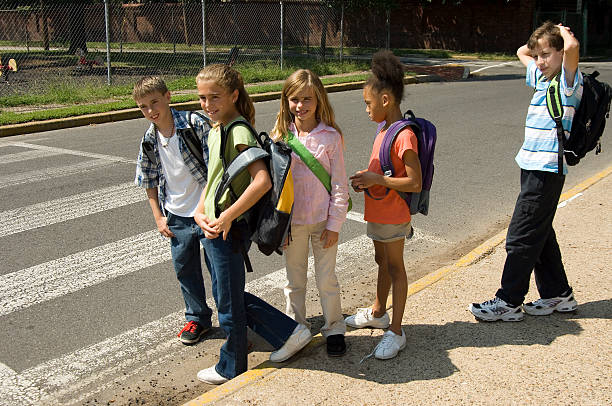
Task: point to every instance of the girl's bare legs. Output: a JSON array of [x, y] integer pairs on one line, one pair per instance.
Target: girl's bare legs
[[391, 274]]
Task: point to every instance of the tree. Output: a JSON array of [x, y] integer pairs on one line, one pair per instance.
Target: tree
[[77, 32]]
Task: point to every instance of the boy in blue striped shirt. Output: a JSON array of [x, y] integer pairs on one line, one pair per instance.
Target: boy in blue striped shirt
[[531, 243]]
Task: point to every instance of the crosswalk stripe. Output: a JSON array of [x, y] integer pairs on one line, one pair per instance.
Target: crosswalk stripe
[[15, 389], [50, 173], [68, 208], [73, 152], [25, 156], [24, 288]]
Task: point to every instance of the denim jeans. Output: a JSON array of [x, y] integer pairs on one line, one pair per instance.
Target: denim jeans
[[531, 243], [238, 309], [185, 248]]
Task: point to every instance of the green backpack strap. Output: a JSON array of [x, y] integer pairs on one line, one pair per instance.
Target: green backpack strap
[[555, 109], [312, 163]]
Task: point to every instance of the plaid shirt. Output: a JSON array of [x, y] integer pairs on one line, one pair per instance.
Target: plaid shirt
[[150, 174]]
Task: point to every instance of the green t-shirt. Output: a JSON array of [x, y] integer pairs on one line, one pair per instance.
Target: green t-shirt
[[240, 134]]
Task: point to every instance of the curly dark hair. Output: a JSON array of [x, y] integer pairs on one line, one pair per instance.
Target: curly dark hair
[[387, 74]]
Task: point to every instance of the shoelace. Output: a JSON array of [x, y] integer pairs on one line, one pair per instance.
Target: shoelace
[[385, 339], [190, 327], [492, 302]]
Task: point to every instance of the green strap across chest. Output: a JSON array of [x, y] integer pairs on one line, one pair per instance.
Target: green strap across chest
[[312, 163]]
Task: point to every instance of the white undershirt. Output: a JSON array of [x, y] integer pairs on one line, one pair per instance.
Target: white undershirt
[[182, 190]]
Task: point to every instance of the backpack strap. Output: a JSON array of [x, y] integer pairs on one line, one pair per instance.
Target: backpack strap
[[555, 109], [384, 154], [239, 230], [149, 150], [225, 133], [190, 138], [312, 163]]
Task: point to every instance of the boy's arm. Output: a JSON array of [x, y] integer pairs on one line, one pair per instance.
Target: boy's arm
[[571, 54], [160, 219], [524, 55]]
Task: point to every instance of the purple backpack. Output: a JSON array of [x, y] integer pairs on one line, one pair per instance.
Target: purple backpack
[[426, 135]]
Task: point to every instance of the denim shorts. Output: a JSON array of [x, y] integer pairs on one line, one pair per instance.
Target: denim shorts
[[388, 232]]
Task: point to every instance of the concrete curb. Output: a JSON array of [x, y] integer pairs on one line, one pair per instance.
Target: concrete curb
[[129, 114], [477, 254]]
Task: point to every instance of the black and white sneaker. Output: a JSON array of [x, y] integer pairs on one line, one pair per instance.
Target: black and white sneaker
[[192, 332], [542, 307], [496, 309]]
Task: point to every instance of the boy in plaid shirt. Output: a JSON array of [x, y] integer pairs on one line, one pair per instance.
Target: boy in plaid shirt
[[174, 180]]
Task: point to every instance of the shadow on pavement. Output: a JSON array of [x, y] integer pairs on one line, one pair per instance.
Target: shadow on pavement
[[426, 355]]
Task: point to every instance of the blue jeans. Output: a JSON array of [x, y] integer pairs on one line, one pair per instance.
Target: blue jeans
[[238, 309], [185, 248]]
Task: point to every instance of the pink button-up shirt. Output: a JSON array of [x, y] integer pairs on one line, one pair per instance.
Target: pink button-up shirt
[[312, 203]]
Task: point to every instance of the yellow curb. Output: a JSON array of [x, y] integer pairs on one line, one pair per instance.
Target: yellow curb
[[251, 376], [133, 113], [257, 373]]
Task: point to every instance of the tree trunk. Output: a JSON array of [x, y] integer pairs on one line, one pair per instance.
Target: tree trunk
[[45, 25], [78, 37], [324, 32], [185, 24]]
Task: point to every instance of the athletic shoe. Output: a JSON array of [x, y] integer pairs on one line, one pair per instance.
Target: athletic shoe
[[390, 345], [336, 346], [365, 318], [543, 307], [496, 309], [296, 341], [192, 332], [211, 376]]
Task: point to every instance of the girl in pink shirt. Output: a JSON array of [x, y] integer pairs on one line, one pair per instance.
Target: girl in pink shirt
[[388, 217], [318, 215]]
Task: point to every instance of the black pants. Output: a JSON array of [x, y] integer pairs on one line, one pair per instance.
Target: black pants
[[531, 243]]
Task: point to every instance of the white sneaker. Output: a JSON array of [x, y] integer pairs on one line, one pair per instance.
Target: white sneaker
[[365, 318], [296, 341], [211, 376], [390, 345], [496, 309], [543, 307]]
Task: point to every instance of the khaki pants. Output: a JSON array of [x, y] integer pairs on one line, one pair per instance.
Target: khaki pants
[[296, 259]]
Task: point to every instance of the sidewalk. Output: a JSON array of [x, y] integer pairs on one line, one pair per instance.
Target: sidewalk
[[451, 358]]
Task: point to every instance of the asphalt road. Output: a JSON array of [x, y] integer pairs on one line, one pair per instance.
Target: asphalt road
[[88, 296]]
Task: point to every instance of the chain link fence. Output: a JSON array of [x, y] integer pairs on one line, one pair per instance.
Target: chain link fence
[[110, 41]]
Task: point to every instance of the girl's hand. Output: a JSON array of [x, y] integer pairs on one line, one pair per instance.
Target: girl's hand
[[222, 224], [162, 227], [364, 179], [330, 238], [204, 223]]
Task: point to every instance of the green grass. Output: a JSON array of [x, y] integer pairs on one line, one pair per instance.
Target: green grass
[[126, 102]]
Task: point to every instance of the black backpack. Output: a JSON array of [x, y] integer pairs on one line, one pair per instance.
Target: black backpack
[[589, 120], [267, 222]]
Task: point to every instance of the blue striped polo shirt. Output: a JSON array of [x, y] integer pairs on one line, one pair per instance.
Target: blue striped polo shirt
[[539, 150]]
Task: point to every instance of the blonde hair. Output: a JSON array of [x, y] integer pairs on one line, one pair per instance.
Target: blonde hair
[[230, 79], [148, 85], [298, 81]]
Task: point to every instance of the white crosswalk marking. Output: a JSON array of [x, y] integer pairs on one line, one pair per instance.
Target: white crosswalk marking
[[15, 389], [69, 208], [50, 173], [52, 279], [25, 156], [72, 152]]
